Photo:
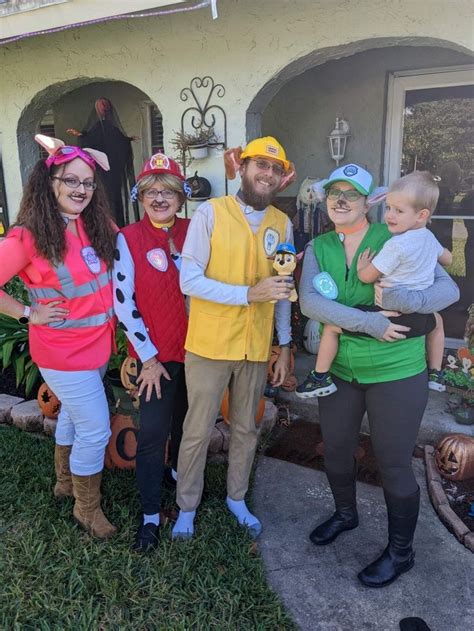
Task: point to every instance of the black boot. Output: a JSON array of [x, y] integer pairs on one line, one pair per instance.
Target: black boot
[[343, 488], [398, 557]]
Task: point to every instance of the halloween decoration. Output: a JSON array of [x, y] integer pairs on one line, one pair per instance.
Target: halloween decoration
[[49, 403], [200, 187], [225, 409], [129, 374], [122, 448], [290, 383], [285, 264], [455, 457]]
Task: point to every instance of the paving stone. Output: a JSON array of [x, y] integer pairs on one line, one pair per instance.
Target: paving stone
[[7, 402], [452, 521], [28, 416], [437, 494], [49, 426], [469, 541], [432, 472]]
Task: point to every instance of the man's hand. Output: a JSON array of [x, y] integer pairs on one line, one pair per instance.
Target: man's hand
[[271, 288], [282, 367]]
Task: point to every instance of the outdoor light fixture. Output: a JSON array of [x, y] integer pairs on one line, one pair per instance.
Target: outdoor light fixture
[[338, 139]]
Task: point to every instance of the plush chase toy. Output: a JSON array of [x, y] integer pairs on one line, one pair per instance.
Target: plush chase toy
[[285, 263]]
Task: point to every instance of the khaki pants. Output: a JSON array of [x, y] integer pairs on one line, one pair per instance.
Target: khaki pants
[[206, 380]]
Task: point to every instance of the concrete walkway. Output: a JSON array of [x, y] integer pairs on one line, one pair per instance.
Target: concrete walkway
[[319, 585]]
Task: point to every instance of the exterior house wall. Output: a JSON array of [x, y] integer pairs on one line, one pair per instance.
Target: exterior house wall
[[303, 113], [251, 49]]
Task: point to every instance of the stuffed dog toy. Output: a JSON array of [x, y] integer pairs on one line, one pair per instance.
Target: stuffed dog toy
[[285, 263]]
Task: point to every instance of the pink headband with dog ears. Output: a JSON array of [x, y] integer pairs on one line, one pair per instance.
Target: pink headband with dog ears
[[59, 153]]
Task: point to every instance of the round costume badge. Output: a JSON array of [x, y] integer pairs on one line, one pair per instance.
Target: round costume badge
[[271, 239], [158, 259], [91, 259], [350, 170], [159, 161]]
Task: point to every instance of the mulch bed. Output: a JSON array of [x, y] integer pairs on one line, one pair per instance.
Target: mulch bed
[[460, 496], [301, 443]]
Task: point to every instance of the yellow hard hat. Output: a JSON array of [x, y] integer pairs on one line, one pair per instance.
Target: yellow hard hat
[[267, 147]]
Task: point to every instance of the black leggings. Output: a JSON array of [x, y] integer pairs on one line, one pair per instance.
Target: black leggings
[[395, 410], [157, 417]]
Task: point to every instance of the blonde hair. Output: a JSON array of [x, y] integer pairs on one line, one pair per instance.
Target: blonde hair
[[421, 186], [171, 182]]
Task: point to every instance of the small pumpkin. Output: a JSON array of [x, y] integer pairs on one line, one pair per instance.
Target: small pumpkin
[[454, 457], [200, 187], [121, 450], [49, 403], [225, 409], [129, 373], [275, 354]]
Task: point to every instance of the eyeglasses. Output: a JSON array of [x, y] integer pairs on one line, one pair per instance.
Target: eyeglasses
[[152, 193], [264, 165], [74, 182], [350, 196]]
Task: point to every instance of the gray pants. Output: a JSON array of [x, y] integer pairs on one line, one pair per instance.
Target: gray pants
[[207, 380]]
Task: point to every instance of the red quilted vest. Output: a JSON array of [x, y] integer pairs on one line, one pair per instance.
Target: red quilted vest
[[157, 294]]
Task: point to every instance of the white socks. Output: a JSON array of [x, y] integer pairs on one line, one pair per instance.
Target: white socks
[[184, 526], [151, 519], [244, 516], [174, 475]]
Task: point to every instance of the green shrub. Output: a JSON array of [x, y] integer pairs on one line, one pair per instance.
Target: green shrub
[[15, 352]]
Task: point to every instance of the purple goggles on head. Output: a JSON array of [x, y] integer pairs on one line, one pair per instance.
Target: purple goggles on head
[[68, 153]]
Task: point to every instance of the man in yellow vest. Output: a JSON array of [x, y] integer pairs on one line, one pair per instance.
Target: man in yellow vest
[[235, 298]]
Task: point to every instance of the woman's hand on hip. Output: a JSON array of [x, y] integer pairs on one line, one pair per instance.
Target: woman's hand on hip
[[51, 312], [395, 332], [150, 377], [271, 288]]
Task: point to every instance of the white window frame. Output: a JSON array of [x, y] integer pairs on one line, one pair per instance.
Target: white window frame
[[398, 84]]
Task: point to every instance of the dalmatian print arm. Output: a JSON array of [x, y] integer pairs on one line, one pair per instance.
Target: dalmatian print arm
[[130, 320]]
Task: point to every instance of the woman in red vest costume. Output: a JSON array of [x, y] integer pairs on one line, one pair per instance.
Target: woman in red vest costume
[[62, 247], [152, 312]]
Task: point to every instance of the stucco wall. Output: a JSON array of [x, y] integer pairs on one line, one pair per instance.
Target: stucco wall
[[303, 113], [250, 48]]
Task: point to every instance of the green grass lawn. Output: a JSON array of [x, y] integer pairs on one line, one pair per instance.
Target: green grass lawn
[[54, 576]]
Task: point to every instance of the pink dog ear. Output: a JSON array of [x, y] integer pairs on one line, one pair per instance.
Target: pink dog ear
[[100, 157], [232, 162], [288, 178], [50, 144]]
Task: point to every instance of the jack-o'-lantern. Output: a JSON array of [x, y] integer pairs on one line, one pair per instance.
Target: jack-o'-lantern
[[273, 358], [129, 373], [122, 448], [200, 187], [49, 403], [455, 457], [225, 409]]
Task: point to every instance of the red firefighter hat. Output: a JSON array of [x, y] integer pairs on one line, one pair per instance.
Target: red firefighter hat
[[160, 163]]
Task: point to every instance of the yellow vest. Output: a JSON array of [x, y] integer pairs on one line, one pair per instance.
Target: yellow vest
[[238, 257]]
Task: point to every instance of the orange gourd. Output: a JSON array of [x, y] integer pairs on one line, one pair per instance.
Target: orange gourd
[[49, 403]]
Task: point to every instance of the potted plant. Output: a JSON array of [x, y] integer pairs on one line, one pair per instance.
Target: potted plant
[[194, 145]]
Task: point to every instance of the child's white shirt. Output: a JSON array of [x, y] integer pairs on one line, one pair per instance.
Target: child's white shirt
[[408, 260]]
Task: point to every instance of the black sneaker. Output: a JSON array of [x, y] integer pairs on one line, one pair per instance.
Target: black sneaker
[[147, 538], [312, 386], [436, 380]]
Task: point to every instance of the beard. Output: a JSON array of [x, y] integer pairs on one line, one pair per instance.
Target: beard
[[258, 201]]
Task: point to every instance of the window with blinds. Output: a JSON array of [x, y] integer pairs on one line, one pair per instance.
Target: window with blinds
[[156, 130]]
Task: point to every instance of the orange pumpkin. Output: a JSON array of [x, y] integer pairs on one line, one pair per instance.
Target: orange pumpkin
[[122, 448], [455, 457], [49, 403], [225, 408], [290, 383], [129, 373], [275, 355]]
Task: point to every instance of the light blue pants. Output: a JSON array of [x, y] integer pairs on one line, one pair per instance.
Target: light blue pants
[[84, 420]]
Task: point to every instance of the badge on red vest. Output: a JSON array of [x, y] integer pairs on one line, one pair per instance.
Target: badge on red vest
[[158, 259]]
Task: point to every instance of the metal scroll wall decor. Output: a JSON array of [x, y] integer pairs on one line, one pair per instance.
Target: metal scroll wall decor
[[203, 114]]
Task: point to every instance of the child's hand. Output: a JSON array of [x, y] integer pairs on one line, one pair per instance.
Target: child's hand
[[364, 259]]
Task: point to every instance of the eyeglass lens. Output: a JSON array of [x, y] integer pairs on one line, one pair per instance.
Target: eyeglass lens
[[75, 182], [152, 193], [350, 196], [265, 166]]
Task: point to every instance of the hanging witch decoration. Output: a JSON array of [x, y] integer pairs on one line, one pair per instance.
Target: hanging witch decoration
[[105, 133]]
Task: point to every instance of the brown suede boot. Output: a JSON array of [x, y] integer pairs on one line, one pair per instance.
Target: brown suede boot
[[87, 511], [63, 486]]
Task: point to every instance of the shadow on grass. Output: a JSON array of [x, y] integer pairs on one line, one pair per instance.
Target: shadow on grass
[[56, 577]]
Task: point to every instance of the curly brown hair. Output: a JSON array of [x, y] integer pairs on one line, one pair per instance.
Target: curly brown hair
[[40, 215]]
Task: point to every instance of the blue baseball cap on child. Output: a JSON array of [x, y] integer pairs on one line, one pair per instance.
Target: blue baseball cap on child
[[360, 179]]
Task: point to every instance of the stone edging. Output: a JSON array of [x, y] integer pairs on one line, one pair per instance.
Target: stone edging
[[441, 504]]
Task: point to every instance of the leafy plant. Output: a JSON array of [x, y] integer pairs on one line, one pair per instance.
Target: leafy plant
[[16, 288], [459, 379], [116, 360], [15, 352]]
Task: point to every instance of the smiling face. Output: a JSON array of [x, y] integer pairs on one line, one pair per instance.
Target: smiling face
[[72, 201], [161, 199], [401, 215], [261, 179], [346, 213]]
